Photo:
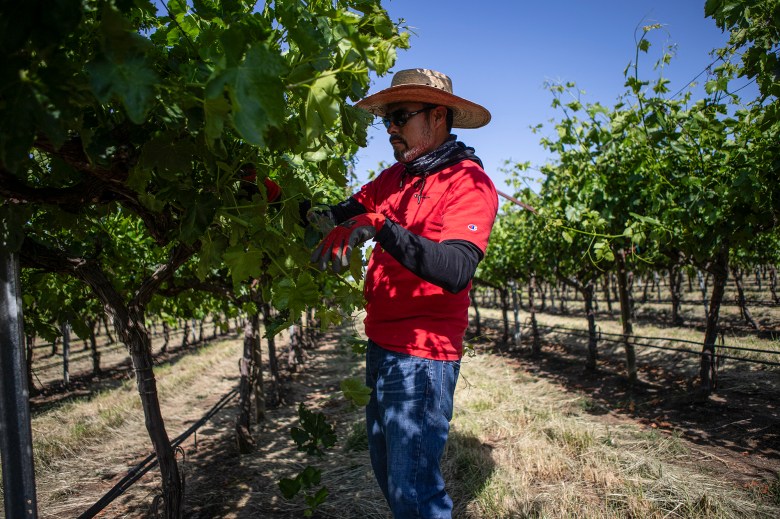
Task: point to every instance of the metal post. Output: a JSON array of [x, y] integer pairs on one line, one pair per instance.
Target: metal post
[[516, 312], [15, 429], [65, 328], [703, 288]]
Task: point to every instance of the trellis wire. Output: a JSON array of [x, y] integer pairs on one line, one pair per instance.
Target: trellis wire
[[579, 332]]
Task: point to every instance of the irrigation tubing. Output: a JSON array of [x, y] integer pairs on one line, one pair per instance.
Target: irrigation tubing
[[696, 302], [43, 345], [151, 460], [152, 335], [173, 331], [83, 354]]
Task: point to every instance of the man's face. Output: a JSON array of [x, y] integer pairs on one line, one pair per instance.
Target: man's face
[[414, 138]]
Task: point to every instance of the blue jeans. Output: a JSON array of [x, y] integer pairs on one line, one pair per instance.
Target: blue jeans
[[407, 420]]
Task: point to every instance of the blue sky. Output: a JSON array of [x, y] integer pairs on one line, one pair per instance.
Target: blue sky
[[500, 54]]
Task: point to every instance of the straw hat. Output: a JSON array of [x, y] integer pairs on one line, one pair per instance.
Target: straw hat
[[426, 86]]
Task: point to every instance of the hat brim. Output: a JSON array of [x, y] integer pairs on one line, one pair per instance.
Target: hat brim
[[466, 114]]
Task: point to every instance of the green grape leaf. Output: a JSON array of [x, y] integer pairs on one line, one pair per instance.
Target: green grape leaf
[[311, 476], [322, 105], [356, 391], [170, 156], [257, 93], [316, 500], [217, 111], [289, 487], [356, 264], [243, 264], [132, 81], [354, 124], [198, 216]]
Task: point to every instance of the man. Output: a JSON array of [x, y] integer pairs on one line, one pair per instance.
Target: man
[[431, 214]]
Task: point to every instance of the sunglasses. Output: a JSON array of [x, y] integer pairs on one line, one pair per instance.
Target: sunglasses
[[401, 117]]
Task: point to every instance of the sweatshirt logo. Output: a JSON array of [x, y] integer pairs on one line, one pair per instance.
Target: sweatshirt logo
[[472, 227], [420, 198]]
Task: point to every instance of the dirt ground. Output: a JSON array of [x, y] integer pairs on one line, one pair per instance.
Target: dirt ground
[[736, 430]]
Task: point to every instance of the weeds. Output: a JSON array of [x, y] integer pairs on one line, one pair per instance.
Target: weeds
[[357, 438], [773, 489]]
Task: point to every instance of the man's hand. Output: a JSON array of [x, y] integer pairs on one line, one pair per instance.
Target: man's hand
[[321, 217], [338, 244]]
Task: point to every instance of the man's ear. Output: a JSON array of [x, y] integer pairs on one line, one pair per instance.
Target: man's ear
[[440, 116]]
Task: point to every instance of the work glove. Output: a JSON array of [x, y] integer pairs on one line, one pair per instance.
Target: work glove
[[338, 244], [321, 217], [273, 189]]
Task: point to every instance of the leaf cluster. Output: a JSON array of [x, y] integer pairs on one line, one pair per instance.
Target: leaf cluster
[[307, 479], [660, 177], [124, 129], [315, 433], [754, 30]]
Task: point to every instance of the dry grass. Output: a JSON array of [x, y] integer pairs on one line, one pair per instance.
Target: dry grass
[[90, 440], [71, 428], [523, 447]]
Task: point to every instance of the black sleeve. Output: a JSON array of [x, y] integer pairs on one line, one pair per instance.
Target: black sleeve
[[341, 212], [450, 264], [347, 209]]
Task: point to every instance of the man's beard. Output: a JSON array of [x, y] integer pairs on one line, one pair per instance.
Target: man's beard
[[407, 154]]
